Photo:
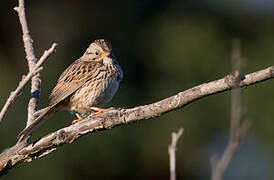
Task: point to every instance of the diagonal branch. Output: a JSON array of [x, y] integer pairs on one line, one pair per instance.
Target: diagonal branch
[[116, 117], [25, 79]]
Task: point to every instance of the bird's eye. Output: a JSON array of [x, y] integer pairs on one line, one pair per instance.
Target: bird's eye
[[96, 53]]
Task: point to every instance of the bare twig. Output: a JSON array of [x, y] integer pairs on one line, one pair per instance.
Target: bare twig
[[14, 93], [25, 79], [116, 117], [30, 55], [172, 152], [238, 129]]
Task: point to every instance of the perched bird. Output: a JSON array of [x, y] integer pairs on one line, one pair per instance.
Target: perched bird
[[87, 85]]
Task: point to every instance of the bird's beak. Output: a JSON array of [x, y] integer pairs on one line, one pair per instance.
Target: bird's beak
[[104, 54]]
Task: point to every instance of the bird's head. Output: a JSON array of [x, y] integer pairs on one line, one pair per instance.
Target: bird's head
[[98, 50]]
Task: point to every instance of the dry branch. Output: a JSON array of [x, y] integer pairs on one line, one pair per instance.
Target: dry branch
[[25, 79], [115, 117], [238, 129], [30, 55], [172, 152], [32, 62]]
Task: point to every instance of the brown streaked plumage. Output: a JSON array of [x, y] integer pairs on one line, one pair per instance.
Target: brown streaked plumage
[[89, 83]]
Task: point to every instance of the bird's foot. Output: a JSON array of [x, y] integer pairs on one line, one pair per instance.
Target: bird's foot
[[77, 120], [99, 110]]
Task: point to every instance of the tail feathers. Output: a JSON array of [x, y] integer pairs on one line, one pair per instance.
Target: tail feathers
[[38, 121]]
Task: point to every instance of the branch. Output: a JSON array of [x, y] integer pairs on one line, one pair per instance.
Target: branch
[[25, 79], [238, 129], [116, 117], [172, 152], [30, 55]]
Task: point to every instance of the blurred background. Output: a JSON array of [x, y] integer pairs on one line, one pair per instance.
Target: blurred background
[[164, 47]]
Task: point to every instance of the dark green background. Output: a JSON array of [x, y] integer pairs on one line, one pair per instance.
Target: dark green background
[[164, 47]]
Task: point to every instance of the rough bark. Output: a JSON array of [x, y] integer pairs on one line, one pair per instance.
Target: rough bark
[[33, 150]]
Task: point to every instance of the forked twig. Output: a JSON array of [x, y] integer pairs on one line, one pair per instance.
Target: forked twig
[[30, 55], [25, 79]]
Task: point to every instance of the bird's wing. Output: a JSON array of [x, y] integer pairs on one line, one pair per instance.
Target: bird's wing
[[77, 74]]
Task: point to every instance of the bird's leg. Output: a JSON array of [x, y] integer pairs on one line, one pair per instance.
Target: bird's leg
[[98, 110], [77, 120]]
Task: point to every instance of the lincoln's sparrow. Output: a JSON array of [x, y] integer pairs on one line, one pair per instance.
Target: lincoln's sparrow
[[86, 85]]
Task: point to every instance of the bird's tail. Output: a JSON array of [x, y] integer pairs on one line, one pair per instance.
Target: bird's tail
[[46, 112]]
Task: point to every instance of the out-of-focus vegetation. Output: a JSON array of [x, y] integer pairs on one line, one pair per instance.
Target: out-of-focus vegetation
[[164, 47]]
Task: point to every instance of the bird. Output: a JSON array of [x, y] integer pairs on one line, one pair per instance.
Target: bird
[[86, 86]]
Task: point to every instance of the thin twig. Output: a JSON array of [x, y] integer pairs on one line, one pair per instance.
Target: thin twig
[[238, 129], [117, 117], [25, 79], [30, 55], [172, 152]]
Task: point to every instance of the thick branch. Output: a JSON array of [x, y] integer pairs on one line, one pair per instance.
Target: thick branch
[[117, 117], [30, 55], [25, 79]]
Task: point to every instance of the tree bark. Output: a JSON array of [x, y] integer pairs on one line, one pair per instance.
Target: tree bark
[[115, 117]]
